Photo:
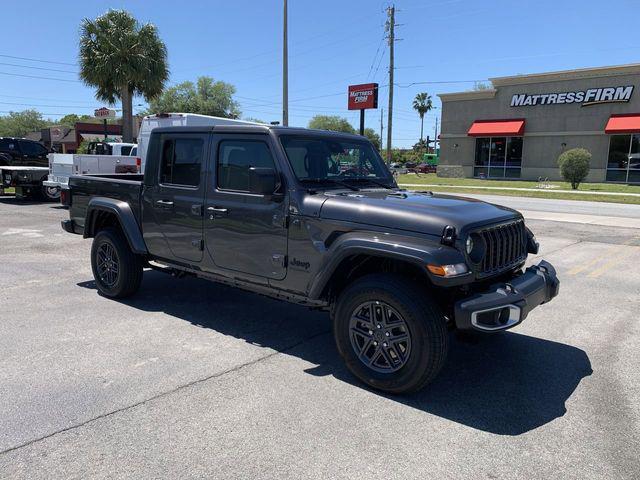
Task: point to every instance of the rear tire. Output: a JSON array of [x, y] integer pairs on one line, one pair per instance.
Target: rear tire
[[49, 194], [403, 323], [116, 269]]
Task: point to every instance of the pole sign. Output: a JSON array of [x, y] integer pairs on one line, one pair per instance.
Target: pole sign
[[104, 112], [363, 96]]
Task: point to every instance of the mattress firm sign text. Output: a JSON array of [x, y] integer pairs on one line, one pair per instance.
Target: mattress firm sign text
[[592, 96]]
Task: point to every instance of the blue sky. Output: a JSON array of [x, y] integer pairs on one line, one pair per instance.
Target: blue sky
[[331, 44]]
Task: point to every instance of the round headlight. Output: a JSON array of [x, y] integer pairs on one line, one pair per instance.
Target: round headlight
[[469, 245]]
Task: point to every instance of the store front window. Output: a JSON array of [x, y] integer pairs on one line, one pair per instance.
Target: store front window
[[623, 164], [498, 157]]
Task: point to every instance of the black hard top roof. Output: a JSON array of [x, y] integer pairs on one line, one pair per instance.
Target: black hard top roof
[[257, 129]]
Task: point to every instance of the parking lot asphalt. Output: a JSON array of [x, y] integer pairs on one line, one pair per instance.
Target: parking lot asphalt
[[190, 379]]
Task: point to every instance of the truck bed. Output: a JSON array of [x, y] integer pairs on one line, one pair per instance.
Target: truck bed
[[125, 187]]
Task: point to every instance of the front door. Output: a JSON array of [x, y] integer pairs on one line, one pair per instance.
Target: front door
[[244, 232], [176, 199]]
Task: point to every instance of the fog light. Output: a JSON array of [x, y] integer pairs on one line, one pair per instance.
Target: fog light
[[448, 270]]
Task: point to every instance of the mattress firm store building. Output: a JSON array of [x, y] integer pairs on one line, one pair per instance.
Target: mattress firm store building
[[519, 127]]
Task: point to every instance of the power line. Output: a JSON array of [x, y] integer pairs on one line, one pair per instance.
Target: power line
[[38, 60], [375, 57], [40, 105], [38, 68], [45, 99], [39, 77]]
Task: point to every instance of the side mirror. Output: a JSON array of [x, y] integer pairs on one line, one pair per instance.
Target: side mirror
[[262, 180]]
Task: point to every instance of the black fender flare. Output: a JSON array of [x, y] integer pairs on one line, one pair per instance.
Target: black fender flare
[[126, 218], [417, 251]]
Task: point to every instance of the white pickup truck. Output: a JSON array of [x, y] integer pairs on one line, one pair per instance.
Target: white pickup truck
[[115, 159]]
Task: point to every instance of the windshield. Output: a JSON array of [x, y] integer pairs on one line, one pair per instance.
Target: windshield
[[330, 160]]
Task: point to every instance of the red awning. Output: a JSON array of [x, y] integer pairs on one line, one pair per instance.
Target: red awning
[[623, 124], [488, 128]]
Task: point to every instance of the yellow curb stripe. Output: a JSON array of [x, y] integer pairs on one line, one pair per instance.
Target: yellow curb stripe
[[599, 258], [614, 261]]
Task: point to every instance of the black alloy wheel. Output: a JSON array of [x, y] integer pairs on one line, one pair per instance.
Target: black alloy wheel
[[380, 337]]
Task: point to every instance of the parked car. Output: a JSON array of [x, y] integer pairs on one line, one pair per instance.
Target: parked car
[[258, 207], [425, 168], [398, 169], [24, 165]]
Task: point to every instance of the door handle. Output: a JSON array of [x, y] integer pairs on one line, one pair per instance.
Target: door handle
[[216, 212], [164, 203]]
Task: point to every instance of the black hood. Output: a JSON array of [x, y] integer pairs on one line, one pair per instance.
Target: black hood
[[412, 211]]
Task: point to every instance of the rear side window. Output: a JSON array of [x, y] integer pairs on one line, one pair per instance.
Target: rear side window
[[235, 157], [181, 161], [32, 148], [7, 145]]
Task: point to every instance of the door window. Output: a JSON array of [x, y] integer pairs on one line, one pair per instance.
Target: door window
[[181, 161], [235, 157]]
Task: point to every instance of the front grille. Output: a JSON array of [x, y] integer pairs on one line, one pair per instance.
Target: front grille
[[506, 247]]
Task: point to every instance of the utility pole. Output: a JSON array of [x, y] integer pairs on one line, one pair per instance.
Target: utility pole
[[381, 127], [285, 72], [391, 23], [435, 138]]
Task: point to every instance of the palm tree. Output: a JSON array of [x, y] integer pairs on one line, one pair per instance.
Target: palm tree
[[121, 58], [422, 104]]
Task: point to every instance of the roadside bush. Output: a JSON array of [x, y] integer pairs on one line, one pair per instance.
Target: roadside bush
[[574, 166]]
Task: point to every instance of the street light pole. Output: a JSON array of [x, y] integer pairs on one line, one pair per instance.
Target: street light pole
[[285, 72]]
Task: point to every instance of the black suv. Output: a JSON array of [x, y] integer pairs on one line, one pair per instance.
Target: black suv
[[316, 218], [20, 152]]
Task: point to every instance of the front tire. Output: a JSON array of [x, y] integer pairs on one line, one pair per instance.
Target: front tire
[[116, 269], [391, 335]]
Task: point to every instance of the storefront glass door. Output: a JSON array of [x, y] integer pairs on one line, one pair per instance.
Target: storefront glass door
[[498, 157], [623, 164]]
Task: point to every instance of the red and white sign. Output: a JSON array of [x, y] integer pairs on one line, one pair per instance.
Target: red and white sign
[[104, 112], [363, 96]]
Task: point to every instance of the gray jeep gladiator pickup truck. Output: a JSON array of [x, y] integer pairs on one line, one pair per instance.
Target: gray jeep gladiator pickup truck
[[316, 218]]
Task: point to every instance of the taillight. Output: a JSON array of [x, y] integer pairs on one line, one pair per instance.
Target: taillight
[[65, 198], [138, 164]]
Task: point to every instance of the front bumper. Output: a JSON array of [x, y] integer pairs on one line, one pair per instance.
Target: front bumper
[[507, 304]]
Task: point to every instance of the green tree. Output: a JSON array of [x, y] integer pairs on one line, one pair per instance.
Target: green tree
[[71, 119], [373, 137], [121, 58], [574, 166], [206, 97], [255, 120], [422, 104], [331, 122], [18, 124]]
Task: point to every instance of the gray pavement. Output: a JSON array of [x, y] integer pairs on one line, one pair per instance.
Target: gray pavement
[[189, 379]]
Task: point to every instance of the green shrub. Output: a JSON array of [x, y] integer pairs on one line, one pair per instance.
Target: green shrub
[[574, 166]]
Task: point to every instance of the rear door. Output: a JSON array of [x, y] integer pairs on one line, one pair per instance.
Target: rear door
[[244, 232], [33, 154], [176, 199]]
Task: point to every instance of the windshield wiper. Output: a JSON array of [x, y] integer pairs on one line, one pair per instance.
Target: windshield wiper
[[371, 180], [330, 180]]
